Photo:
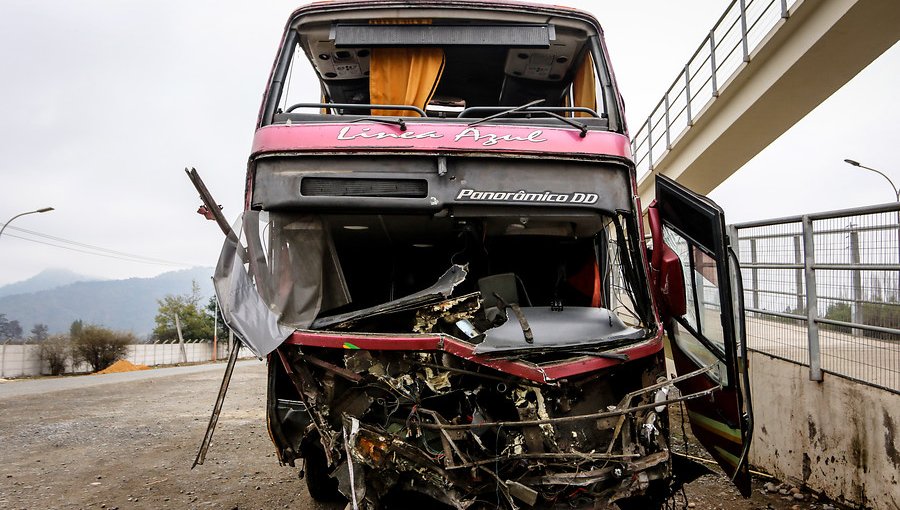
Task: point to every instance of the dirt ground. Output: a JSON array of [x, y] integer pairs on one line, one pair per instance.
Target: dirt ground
[[131, 445]]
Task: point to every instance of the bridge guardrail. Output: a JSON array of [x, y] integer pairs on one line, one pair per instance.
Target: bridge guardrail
[[722, 54]]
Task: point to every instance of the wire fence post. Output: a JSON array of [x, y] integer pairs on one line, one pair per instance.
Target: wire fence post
[[897, 291], [754, 273], [24, 355], [812, 313], [798, 274], [855, 282], [180, 339]]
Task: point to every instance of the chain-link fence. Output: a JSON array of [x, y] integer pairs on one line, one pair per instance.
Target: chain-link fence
[[824, 290]]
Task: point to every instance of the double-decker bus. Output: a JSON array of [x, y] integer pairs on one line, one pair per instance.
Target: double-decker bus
[[442, 257]]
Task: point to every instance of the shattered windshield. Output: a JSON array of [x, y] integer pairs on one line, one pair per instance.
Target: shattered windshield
[[508, 284]]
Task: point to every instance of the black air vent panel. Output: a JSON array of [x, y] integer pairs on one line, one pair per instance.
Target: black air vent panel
[[388, 188], [372, 36]]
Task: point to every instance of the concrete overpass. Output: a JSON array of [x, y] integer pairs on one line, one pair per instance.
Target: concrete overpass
[[759, 71]]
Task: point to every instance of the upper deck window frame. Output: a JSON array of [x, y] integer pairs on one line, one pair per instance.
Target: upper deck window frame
[[607, 95]]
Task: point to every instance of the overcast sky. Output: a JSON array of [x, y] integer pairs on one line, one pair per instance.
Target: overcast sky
[[104, 102]]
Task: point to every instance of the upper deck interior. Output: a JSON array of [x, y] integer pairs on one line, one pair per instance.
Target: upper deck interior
[[442, 63]]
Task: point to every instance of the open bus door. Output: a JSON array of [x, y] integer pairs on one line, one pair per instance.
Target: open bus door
[[698, 285]]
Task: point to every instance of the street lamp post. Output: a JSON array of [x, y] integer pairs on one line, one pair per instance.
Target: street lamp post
[[893, 187], [3, 355], [897, 197], [41, 210]]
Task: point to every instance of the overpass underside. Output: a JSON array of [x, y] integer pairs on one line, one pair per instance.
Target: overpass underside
[[803, 59]]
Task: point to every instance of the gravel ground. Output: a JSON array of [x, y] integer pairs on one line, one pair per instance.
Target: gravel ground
[[130, 444]]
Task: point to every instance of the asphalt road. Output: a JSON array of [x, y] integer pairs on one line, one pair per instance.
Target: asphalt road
[[128, 440], [21, 387]]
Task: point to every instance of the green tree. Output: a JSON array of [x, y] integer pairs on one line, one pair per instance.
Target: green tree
[[55, 351], [39, 333], [214, 311], [838, 311], [75, 328], [195, 322], [100, 347], [9, 330], [883, 314]]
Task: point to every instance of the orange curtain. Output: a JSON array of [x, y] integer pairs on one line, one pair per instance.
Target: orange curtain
[[407, 76], [584, 86]]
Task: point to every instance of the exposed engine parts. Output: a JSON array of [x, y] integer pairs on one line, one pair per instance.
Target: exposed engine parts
[[439, 425]]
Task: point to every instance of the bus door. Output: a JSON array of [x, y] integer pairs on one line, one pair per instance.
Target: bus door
[[704, 320]]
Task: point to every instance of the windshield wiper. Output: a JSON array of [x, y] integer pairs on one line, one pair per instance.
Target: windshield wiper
[[523, 322], [398, 122], [581, 127], [505, 112]]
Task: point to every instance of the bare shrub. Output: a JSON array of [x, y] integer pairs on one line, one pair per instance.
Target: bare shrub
[[56, 351], [100, 347]]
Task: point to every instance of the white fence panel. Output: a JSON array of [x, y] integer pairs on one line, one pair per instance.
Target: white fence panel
[[17, 360]]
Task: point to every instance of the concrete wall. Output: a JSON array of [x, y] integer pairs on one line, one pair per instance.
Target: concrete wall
[[838, 437], [23, 360]]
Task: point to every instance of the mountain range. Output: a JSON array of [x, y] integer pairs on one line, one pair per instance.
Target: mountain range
[[48, 279], [59, 297]]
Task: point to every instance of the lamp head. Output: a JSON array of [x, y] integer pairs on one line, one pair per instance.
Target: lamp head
[[851, 162], [45, 209]]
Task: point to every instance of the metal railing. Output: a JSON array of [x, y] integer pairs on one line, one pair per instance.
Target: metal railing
[[823, 290], [723, 53]]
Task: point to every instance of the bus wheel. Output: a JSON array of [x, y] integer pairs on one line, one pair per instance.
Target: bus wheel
[[320, 486]]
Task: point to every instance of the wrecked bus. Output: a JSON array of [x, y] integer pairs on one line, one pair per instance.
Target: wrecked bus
[[442, 257]]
